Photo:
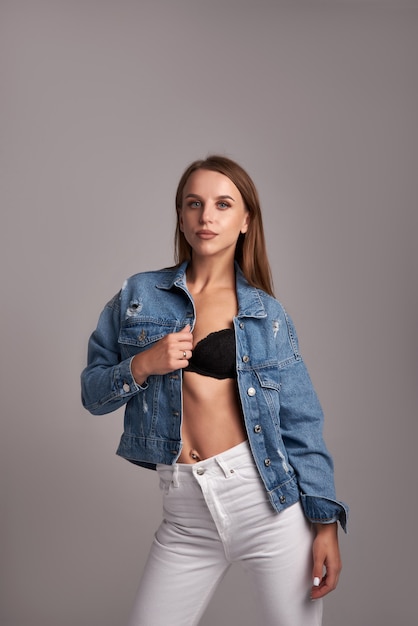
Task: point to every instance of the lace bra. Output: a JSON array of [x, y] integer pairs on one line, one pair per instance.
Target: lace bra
[[214, 355]]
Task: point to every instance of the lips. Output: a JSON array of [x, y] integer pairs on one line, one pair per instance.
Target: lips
[[206, 234]]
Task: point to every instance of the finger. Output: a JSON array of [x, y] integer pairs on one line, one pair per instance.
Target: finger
[[186, 329], [322, 586], [330, 580], [318, 569], [317, 587], [184, 342], [316, 581], [184, 337]]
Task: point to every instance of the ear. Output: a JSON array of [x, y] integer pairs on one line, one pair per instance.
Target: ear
[[246, 223], [180, 218]]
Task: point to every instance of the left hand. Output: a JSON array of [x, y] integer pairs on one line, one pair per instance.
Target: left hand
[[326, 556]]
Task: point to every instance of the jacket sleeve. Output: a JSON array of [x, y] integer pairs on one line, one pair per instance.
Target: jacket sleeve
[[301, 425], [107, 382]]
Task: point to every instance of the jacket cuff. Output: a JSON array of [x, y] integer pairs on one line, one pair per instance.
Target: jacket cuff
[[137, 386], [320, 510], [125, 382]]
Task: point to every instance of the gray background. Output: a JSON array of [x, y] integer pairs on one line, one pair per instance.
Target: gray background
[[103, 105]]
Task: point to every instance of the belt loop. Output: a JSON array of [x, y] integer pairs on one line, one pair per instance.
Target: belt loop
[[175, 475], [224, 466]]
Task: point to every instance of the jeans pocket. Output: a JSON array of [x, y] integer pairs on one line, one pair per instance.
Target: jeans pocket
[[248, 472]]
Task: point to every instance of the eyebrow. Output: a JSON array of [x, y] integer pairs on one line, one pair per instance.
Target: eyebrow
[[196, 195]]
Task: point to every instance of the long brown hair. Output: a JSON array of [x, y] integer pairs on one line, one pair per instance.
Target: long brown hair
[[250, 252]]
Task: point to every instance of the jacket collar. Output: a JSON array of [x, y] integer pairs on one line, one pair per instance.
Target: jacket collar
[[250, 303], [173, 277]]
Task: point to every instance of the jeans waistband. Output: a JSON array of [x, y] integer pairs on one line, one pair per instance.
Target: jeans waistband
[[223, 463]]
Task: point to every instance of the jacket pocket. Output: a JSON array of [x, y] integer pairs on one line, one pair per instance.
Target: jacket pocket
[[138, 333], [268, 378]]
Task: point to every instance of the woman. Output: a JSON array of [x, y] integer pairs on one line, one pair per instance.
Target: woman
[[219, 401]]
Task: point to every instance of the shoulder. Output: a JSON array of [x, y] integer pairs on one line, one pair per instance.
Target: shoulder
[[272, 305], [281, 320], [257, 303], [150, 276], [148, 279]]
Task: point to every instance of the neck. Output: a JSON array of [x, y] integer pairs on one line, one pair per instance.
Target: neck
[[209, 273]]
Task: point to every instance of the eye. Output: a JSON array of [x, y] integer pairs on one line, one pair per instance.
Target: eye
[[195, 204], [223, 205]]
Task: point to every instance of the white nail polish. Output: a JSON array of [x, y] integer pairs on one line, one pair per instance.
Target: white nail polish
[[316, 581]]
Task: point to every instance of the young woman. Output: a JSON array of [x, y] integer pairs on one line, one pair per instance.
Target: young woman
[[219, 401]]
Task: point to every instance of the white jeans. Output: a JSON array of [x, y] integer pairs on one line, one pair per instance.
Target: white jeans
[[216, 512]]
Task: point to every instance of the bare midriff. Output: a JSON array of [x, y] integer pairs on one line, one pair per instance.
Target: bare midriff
[[212, 417]]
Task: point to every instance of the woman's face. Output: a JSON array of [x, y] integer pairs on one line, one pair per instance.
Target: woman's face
[[212, 214]]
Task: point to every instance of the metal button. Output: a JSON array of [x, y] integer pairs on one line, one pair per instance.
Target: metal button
[[282, 499], [267, 462], [257, 429], [251, 391], [241, 325], [200, 471], [245, 358], [126, 387]]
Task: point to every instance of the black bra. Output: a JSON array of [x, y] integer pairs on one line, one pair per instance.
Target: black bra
[[214, 355]]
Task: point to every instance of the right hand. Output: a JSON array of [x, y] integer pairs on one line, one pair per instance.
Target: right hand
[[166, 355]]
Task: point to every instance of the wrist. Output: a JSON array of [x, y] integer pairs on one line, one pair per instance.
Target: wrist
[[139, 373], [326, 529]]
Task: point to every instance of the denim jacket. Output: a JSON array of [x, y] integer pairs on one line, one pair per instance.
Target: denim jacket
[[282, 415]]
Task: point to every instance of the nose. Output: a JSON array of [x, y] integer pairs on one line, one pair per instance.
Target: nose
[[206, 213]]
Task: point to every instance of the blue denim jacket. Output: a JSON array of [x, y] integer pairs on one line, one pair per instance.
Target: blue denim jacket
[[282, 415]]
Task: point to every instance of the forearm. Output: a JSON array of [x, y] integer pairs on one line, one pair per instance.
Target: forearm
[[326, 560], [107, 388]]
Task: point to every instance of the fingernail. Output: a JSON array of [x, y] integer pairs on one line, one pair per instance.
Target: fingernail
[[316, 581]]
